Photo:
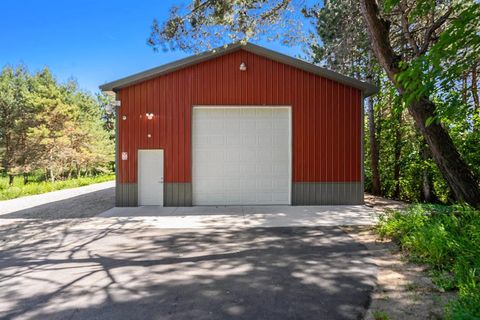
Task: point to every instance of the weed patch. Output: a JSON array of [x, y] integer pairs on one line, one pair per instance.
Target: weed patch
[[18, 189], [447, 239]]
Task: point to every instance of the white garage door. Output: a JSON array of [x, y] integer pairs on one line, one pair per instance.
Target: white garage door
[[241, 155]]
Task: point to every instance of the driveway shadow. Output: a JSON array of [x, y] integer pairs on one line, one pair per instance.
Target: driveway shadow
[[145, 273], [83, 206]]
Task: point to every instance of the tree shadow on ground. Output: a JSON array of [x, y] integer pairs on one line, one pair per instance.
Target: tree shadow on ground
[[114, 272]]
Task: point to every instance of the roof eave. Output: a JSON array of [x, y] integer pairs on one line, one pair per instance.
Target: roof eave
[[168, 68]]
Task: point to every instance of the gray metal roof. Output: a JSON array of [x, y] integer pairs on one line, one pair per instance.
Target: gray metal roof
[[367, 88]]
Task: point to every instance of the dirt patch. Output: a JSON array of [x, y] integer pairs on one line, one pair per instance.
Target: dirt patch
[[382, 204], [404, 290]]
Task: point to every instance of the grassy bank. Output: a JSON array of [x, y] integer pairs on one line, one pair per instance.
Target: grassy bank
[[18, 189], [447, 239]]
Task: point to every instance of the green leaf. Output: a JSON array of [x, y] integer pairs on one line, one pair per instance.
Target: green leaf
[[429, 121]]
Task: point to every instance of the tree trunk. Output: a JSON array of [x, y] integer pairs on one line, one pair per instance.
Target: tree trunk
[[374, 150], [397, 155], [464, 88], [454, 169], [52, 176], [8, 155], [476, 98], [427, 193], [25, 178]]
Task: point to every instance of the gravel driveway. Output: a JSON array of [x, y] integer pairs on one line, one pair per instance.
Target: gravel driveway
[[81, 202]]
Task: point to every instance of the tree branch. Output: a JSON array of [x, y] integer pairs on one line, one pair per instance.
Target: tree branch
[[406, 28], [378, 30], [428, 37]]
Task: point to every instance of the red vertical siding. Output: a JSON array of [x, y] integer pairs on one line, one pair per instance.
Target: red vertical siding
[[326, 115]]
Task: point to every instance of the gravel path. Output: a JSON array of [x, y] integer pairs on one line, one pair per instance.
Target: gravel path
[[79, 202]]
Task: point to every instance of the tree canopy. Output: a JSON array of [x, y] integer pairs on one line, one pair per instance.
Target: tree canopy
[[52, 127]]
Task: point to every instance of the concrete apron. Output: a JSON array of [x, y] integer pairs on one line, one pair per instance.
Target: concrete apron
[[206, 217]]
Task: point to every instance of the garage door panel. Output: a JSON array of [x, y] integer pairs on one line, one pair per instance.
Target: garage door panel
[[265, 139], [279, 183], [279, 153], [248, 156], [264, 169], [209, 170], [248, 125], [281, 124], [207, 154], [264, 197], [236, 186], [261, 126], [233, 140], [247, 184], [277, 197], [279, 138], [231, 169], [248, 196], [248, 170], [265, 154], [211, 184], [279, 169], [233, 155], [265, 184], [241, 156], [249, 139], [263, 113]]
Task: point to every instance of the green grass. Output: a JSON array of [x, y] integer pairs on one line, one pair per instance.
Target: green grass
[[380, 315], [18, 189], [446, 238]]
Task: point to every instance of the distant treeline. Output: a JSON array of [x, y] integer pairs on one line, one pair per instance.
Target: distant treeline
[[51, 127]]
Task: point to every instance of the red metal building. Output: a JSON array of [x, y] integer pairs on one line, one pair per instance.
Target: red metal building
[[239, 125]]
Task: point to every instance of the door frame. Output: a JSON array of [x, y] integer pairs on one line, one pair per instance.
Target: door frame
[[290, 135], [139, 188]]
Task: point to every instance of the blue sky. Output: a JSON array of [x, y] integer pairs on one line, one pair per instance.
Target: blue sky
[[93, 41]]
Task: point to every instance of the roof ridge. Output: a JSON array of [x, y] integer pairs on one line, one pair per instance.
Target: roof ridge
[[367, 88]]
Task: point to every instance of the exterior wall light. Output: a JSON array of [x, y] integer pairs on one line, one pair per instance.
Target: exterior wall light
[[149, 135], [243, 66], [149, 115], [124, 117], [110, 108]]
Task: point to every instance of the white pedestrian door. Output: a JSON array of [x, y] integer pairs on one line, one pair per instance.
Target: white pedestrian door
[[150, 177]]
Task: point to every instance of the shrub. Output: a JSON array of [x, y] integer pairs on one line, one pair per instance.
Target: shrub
[[446, 238]]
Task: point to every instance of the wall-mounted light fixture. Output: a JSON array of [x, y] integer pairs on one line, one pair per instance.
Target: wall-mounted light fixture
[[124, 117], [243, 66], [149, 115], [149, 135], [109, 108]]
